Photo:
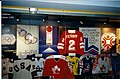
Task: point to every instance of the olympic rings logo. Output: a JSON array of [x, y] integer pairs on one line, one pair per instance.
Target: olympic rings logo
[[29, 39], [8, 39]]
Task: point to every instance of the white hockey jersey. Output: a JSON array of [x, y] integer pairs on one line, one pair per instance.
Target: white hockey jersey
[[5, 68], [38, 65], [102, 65], [10, 67], [22, 69]]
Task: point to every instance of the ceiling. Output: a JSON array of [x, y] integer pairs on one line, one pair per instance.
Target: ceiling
[[92, 8]]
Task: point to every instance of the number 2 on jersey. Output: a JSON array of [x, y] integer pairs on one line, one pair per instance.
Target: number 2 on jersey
[[71, 45]]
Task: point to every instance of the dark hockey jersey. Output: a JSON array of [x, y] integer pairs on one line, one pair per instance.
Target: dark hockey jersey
[[87, 65]]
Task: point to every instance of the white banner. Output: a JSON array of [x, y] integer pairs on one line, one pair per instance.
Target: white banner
[[27, 39], [91, 39], [49, 35]]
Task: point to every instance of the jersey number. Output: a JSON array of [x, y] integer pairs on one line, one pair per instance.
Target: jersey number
[[71, 45], [10, 69], [22, 66]]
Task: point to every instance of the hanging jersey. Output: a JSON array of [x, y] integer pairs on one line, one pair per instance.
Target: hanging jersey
[[102, 65], [87, 65], [37, 66], [10, 67], [73, 64], [22, 69], [57, 68], [5, 68], [71, 41]]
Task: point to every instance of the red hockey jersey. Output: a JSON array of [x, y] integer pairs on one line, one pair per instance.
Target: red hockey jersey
[[57, 69], [71, 41]]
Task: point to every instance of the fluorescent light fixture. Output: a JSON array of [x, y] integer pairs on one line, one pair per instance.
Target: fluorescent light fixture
[[33, 9]]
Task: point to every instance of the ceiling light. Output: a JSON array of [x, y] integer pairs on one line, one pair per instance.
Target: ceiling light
[[81, 22], [58, 21], [45, 18], [33, 9], [105, 23], [18, 19]]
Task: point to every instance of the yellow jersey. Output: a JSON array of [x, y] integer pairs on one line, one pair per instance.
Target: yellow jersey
[[73, 64]]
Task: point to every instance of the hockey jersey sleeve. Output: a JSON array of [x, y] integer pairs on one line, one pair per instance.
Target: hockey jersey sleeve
[[80, 66], [81, 44], [95, 65], [61, 44], [69, 73]]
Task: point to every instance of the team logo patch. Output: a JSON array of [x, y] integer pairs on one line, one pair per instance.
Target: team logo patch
[[56, 70], [108, 40]]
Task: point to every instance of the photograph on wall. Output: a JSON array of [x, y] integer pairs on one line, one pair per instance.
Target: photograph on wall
[[8, 37], [108, 37], [27, 39], [48, 38], [91, 40], [118, 40]]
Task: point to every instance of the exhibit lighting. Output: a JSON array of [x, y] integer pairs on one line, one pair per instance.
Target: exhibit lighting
[[105, 23], [33, 10], [58, 21], [45, 19], [81, 22]]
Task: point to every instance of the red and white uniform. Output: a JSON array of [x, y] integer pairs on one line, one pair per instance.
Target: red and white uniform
[[71, 41], [102, 65], [57, 69]]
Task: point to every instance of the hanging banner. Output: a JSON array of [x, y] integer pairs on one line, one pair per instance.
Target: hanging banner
[[27, 39], [118, 40], [49, 35], [48, 39], [8, 37], [108, 38], [91, 40]]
